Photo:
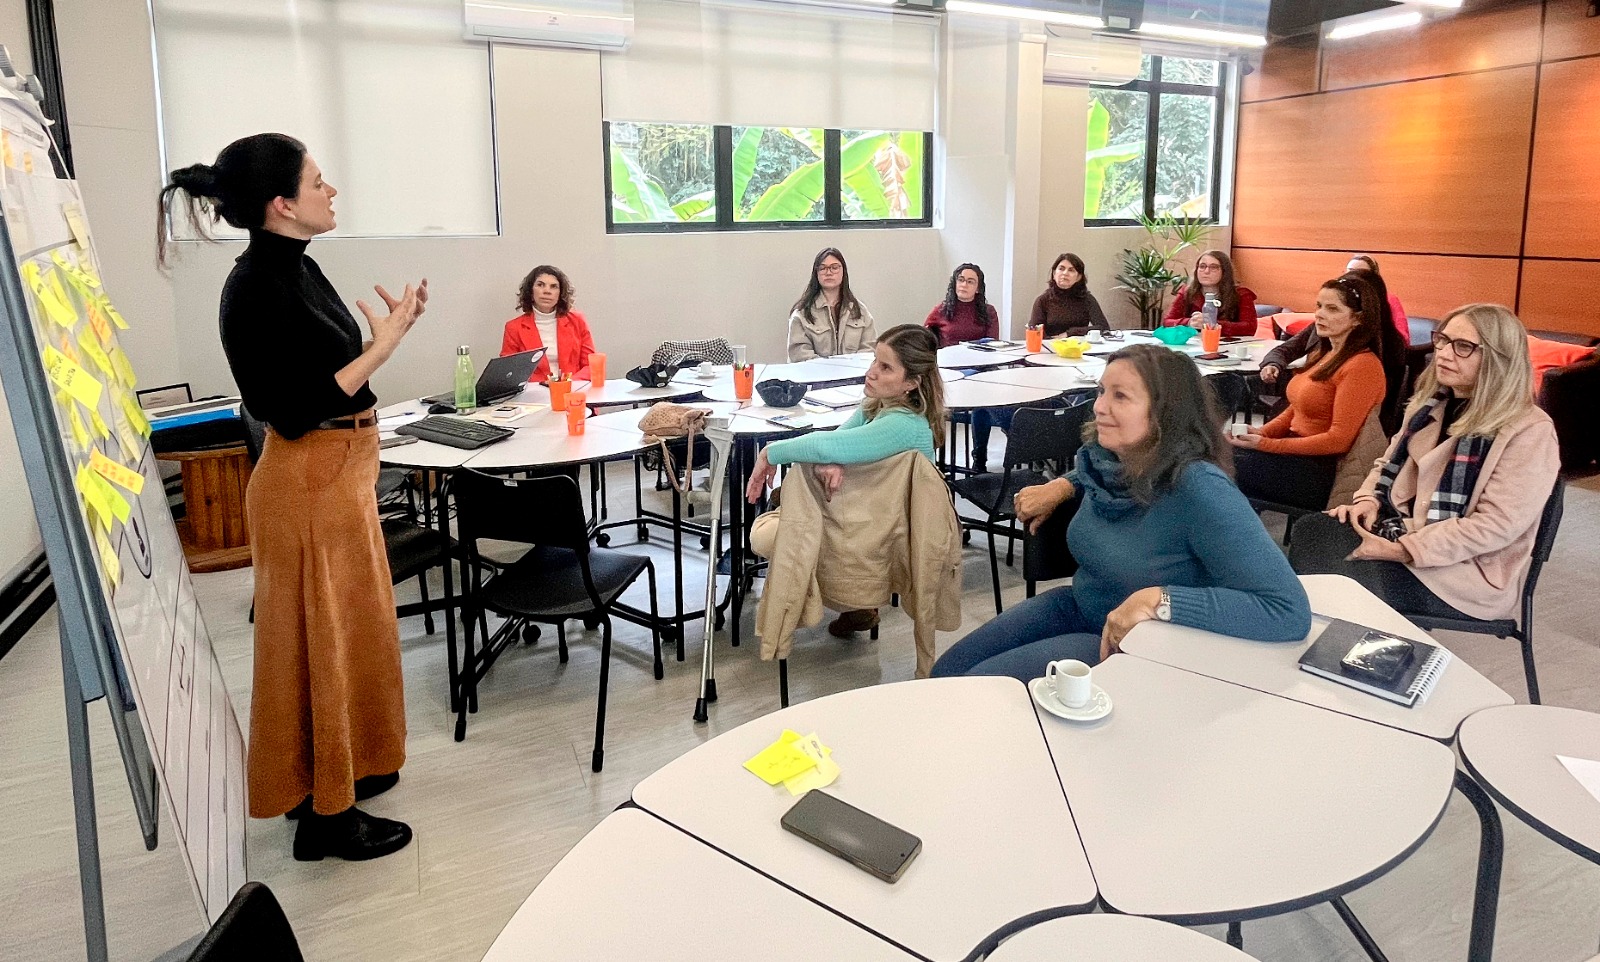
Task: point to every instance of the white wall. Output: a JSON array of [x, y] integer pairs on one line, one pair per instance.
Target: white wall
[[1008, 196], [19, 533]]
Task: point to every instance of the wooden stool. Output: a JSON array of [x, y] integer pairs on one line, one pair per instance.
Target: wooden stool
[[213, 530]]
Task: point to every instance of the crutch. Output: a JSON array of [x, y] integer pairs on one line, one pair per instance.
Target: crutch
[[719, 431]]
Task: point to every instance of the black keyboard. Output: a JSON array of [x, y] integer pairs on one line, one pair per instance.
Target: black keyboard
[[456, 432]]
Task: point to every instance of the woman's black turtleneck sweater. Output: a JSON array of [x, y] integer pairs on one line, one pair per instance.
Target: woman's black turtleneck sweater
[[286, 334]]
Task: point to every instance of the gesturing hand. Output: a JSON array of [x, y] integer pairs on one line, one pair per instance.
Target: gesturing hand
[[391, 302], [1140, 606], [830, 476], [389, 329]]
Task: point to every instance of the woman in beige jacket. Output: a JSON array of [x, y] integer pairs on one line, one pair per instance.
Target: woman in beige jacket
[[1445, 523], [827, 319]]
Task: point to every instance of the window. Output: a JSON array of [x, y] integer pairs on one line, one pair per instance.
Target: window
[[1154, 144], [689, 177]]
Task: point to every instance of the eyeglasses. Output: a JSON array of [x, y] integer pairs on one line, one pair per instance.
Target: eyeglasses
[[831, 269], [1463, 347]]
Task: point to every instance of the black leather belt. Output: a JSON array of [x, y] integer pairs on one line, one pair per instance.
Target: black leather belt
[[348, 424]]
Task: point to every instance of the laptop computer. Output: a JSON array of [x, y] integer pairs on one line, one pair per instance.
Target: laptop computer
[[502, 377]]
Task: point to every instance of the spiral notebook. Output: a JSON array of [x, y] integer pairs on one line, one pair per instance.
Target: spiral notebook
[[1326, 655]]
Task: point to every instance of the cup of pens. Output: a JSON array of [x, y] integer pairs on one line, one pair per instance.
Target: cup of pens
[[1035, 338], [576, 412], [560, 387], [744, 381], [1210, 338]]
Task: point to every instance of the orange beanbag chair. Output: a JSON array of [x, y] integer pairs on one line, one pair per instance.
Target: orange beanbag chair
[[1549, 355]]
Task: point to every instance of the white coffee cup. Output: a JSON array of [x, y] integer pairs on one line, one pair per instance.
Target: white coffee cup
[[1069, 679], [1095, 337], [705, 369], [1241, 351]]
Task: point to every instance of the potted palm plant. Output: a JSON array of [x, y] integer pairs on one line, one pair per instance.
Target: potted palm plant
[[1150, 274]]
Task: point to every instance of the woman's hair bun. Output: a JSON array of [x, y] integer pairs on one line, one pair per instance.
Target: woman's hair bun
[[197, 180]]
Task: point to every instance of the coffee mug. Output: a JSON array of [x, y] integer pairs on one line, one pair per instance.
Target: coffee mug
[[1069, 679], [1095, 336], [705, 369]]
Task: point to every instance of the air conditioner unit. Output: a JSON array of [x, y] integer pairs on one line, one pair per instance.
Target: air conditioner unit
[[1086, 59], [586, 24]]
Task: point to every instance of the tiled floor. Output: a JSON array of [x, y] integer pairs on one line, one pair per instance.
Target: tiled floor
[[494, 813]]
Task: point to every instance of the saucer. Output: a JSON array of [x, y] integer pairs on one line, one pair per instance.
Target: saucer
[[1098, 706], [705, 377]]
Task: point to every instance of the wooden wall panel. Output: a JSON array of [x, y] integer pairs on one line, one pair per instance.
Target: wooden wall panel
[[1566, 175], [1433, 166], [1428, 286], [1560, 296], [1480, 36], [1568, 32], [1287, 69]]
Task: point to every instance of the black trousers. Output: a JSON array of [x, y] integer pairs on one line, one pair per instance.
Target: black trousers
[[1300, 481], [1321, 544]]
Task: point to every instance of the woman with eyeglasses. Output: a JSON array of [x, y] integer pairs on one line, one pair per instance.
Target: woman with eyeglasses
[[1213, 275], [828, 319], [1445, 523], [1293, 459]]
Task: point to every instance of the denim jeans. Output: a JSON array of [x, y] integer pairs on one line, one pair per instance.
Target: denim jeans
[[1024, 639]]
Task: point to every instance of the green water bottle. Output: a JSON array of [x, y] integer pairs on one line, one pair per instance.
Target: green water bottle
[[466, 381]]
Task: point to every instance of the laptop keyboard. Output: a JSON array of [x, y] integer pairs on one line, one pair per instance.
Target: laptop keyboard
[[455, 432]]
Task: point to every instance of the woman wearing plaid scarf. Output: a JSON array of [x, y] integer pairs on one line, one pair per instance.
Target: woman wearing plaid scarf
[[1445, 523]]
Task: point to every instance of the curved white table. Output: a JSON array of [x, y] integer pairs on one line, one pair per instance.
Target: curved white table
[[963, 355], [606, 900], [1512, 751], [1200, 801], [615, 392], [970, 394], [1049, 359], [958, 762], [1045, 378], [1112, 938]]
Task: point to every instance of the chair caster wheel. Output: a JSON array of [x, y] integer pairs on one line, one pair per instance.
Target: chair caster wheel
[[530, 634], [603, 539], [590, 624], [966, 536], [720, 622], [705, 542]]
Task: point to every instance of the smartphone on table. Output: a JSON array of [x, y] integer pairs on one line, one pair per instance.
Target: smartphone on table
[[865, 841]]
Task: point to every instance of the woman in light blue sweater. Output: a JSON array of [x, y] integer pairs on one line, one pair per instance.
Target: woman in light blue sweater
[[1161, 532], [903, 411]]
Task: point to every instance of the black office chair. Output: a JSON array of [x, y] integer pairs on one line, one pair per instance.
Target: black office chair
[[1046, 556], [1231, 391], [561, 577], [1544, 542], [1037, 435], [252, 928]]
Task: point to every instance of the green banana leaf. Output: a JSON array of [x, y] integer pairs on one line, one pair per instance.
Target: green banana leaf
[[913, 142], [809, 136], [744, 162], [790, 198], [1101, 156], [860, 175], [635, 197], [701, 206]]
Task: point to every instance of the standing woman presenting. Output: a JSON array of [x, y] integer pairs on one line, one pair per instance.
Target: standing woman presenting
[[327, 707]]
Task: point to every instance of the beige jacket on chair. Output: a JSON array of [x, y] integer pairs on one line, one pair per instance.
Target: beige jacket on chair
[[1357, 462], [890, 529]]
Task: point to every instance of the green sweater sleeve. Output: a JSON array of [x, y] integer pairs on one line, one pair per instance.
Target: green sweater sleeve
[[857, 441]]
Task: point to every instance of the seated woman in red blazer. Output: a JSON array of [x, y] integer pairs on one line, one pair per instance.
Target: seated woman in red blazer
[[545, 299], [1213, 274]]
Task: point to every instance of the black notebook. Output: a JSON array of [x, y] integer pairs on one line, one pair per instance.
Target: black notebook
[[1410, 685]]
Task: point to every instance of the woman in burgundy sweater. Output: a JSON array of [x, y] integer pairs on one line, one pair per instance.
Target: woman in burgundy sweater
[[965, 314], [1213, 274], [1066, 308]]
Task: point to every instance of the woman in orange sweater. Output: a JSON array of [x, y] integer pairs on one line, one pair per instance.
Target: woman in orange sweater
[[545, 299], [1293, 458]]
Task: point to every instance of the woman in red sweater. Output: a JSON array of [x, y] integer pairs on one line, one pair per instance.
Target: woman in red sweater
[[1213, 274], [965, 314], [545, 299], [1293, 458]]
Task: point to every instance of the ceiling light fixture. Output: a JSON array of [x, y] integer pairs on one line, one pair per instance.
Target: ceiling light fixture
[[1023, 13], [1360, 28], [1230, 38]]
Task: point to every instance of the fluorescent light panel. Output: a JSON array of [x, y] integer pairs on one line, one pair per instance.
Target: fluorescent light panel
[[1360, 28], [1231, 38], [1023, 13]]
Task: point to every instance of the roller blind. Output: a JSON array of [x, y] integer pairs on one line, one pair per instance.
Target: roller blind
[[770, 64], [391, 101]]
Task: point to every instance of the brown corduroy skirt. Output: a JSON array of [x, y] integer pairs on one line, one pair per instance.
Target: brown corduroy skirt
[[327, 705]]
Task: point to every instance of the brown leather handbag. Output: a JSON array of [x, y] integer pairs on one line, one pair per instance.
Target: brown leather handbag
[[665, 421]]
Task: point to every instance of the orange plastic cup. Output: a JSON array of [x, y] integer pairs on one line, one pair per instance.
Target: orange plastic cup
[[744, 382], [558, 394], [597, 369], [1035, 340], [1210, 339], [576, 412]]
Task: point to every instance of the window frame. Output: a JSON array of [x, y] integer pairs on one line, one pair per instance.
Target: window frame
[[1153, 89], [722, 184]]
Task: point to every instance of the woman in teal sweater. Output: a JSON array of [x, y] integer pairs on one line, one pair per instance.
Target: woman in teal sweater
[[1161, 532], [903, 411]]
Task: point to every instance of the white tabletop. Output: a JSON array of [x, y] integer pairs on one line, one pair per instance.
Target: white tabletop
[[748, 418], [540, 448], [1274, 668], [615, 392], [1112, 938], [958, 762], [636, 888], [1201, 801], [971, 393], [1047, 359], [962, 355], [1512, 750], [1048, 378]]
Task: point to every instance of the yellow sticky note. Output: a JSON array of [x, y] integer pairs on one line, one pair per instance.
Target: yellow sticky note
[[97, 321], [80, 434], [100, 493], [108, 557], [135, 416], [76, 223], [111, 312], [98, 423], [27, 162], [822, 775], [52, 300], [124, 368], [780, 760], [72, 378], [117, 474], [6, 156], [92, 487], [97, 354], [128, 440]]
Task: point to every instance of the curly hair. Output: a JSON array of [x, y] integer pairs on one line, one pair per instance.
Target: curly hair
[[525, 290]]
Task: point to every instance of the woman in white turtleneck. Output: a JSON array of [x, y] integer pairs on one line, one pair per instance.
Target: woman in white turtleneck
[[545, 299]]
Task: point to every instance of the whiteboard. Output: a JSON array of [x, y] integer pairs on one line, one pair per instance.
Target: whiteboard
[[100, 501]]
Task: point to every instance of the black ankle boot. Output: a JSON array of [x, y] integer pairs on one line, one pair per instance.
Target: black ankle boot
[[352, 835], [370, 787]]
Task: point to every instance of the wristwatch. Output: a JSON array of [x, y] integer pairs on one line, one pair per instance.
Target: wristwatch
[[1164, 606]]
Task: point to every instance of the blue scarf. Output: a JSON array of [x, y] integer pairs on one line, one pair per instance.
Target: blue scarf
[[1099, 479]]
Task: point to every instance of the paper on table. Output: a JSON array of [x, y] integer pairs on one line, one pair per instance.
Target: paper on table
[[1586, 771], [781, 760], [819, 777]]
